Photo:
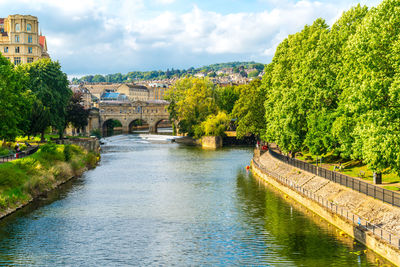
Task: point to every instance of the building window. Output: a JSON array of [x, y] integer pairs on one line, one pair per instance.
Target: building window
[[30, 59], [30, 39], [28, 27], [17, 38], [6, 49], [29, 50], [17, 49], [17, 60], [17, 27]]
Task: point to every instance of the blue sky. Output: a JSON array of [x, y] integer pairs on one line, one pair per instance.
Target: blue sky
[[110, 36]]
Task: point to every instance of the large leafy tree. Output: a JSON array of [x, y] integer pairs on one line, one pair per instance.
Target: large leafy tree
[[249, 110], [191, 102], [14, 101], [369, 105], [77, 115], [50, 86], [289, 83]]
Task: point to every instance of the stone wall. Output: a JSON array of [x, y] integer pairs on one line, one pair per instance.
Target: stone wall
[[211, 142], [89, 144], [375, 211]]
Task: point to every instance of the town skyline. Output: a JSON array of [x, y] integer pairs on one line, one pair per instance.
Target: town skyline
[[105, 37]]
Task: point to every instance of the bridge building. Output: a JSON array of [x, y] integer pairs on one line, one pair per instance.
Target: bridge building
[[20, 40], [129, 114]]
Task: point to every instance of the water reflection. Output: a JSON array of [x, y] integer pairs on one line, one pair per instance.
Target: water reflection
[[151, 202]]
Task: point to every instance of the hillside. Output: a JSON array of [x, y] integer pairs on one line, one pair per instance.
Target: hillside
[[169, 73]]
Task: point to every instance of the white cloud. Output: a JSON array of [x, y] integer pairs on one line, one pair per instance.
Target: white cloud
[[100, 36]]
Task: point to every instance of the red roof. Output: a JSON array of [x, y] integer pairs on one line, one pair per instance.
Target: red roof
[[42, 40]]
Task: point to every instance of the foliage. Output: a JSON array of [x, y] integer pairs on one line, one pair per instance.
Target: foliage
[[191, 102], [14, 100], [215, 125], [226, 96], [169, 73], [249, 110], [96, 132], [50, 87], [77, 115]]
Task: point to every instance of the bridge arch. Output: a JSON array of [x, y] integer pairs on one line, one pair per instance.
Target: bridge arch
[[111, 127], [138, 125], [163, 125]]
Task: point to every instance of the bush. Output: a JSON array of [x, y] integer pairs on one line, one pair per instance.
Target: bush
[[215, 125], [91, 160], [68, 152], [96, 132]]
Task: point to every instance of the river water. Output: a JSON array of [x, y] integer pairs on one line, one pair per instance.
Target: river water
[[152, 202]]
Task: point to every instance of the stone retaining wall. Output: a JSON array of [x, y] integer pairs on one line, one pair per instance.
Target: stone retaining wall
[[375, 211]]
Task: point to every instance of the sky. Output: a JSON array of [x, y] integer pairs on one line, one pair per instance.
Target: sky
[[111, 36]]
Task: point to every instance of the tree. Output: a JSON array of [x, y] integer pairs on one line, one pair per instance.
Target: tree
[[50, 86], [290, 93], [370, 79], [215, 125], [191, 102], [14, 101], [226, 97], [77, 115], [249, 110]]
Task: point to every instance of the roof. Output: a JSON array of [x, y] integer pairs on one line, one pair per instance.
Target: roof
[[42, 41]]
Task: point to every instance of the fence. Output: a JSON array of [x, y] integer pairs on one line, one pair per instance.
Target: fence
[[340, 211], [22, 154], [377, 192]]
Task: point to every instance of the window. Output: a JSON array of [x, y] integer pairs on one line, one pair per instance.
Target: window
[[17, 27], [30, 39], [30, 59], [28, 27], [6, 49], [17, 49], [17, 38], [29, 50], [17, 60]]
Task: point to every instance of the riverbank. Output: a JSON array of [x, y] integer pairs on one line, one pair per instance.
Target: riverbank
[[318, 193], [24, 180]]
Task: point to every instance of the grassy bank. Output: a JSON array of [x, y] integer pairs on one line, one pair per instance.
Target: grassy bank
[[24, 179], [354, 168]]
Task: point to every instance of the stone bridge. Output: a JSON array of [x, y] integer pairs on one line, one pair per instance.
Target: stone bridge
[[129, 114]]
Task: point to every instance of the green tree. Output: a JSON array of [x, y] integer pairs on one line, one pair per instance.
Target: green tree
[[249, 110], [77, 115], [215, 125], [50, 86], [14, 101], [191, 102], [369, 102], [226, 97]]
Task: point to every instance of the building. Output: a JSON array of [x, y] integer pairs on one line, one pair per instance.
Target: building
[[134, 92], [157, 91], [20, 40]]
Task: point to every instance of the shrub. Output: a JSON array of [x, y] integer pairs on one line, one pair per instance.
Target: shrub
[[91, 160], [96, 132]]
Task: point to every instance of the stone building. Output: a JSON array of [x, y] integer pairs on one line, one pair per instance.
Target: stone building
[[20, 40], [134, 92], [157, 91]]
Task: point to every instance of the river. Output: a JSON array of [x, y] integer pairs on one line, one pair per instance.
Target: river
[[152, 202]]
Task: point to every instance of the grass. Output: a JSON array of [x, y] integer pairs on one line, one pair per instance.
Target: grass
[[353, 168], [23, 179]]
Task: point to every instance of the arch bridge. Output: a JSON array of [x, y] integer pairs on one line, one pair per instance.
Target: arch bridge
[[130, 115]]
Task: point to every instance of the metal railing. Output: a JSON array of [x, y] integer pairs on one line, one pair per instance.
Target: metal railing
[[340, 211], [374, 191], [22, 154]]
